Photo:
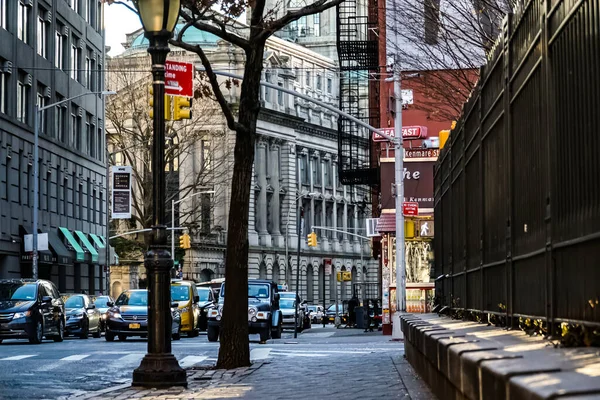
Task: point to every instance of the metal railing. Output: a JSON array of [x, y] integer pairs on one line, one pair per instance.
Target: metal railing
[[517, 200]]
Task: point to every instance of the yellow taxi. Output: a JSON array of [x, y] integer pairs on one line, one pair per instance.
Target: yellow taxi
[[185, 294]]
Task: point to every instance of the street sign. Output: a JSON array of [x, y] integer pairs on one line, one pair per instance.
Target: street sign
[[179, 79], [327, 263], [410, 208], [408, 132], [121, 192]]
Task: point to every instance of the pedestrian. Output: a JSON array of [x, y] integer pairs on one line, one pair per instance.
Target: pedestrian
[[368, 313], [352, 304]]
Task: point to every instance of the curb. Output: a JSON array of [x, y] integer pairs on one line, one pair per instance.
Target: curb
[[97, 392]]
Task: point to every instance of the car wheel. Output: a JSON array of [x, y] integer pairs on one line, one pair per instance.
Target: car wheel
[[122, 338], [110, 337], [177, 336], [276, 333], [38, 333], [212, 333], [85, 330], [265, 334], [96, 334], [195, 330], [61, 332]]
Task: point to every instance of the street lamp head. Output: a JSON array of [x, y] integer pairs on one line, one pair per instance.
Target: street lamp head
[[158, 16], [107, 92]]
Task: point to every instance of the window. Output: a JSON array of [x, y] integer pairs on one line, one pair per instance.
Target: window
[[316, 171], [60, 119], [75, 128], [41, 102], [42, 33], [93, 138], [89, 136], [317, 25], [59, 47], [23, 22], [4, 14], [267, 90], [327, 166], [99, 143], [280, 94], [87, 77], [75, 58], [22, 98], [4, 76], [75, 5], [432, 20], [89, 7], [319, 83], [307, 78], [304, 173]]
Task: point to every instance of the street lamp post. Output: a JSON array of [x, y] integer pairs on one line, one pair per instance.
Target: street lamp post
[[173, 202], [159, 368], [36, 172]]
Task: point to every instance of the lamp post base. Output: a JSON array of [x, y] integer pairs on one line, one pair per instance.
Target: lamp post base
[[159, 371]]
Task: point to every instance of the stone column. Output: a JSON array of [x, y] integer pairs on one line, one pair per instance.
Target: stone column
[[326, 244], [313, 156], [276, 184], [261, 172]]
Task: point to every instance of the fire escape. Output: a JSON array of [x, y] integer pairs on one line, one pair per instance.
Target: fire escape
[[357, 44]]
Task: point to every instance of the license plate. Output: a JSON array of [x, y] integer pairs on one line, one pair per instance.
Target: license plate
[[134, 326]]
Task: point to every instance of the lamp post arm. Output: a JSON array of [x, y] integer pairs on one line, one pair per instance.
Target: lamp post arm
[[324, 228], [66, 100], [192, 195]]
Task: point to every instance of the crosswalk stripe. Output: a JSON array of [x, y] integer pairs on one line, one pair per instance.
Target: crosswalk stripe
[[15, 358], [260, 354], [191, 360], [75, 357], [318, 334], [134, 357], [283, 353]]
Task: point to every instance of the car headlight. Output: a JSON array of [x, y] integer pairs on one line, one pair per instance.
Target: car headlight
[[114, 315], [251, 311], [22, 314], [76, 316], [104, 316]]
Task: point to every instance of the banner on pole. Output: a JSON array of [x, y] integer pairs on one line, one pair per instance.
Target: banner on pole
[[121, 192]]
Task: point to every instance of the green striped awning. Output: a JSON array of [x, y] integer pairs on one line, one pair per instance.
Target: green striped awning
[[88, 245], [99, 244], [79, 254]]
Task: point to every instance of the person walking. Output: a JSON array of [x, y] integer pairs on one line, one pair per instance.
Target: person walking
[[352, 304], [368, 313]]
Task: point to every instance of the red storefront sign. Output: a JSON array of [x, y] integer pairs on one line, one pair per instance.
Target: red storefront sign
[[408, 132], [410, 208]]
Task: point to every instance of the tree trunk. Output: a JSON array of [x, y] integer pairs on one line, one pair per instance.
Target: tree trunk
[[234, 351]]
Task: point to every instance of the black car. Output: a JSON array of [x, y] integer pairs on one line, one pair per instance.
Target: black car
[[207, 302], [128, 316], [31, 309], [101, 303], [82, 316], [264, 315]]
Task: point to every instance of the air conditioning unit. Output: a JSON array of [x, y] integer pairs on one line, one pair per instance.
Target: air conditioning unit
[[372, 227]]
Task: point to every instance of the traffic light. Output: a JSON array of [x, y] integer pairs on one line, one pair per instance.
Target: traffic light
[[184, 241], [167, 105], [312, 239], [182, 108]]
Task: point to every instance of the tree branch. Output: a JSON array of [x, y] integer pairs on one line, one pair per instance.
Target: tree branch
[[291, 16], [221, 31]]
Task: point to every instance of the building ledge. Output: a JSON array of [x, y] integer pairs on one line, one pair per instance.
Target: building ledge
[[463, 359]]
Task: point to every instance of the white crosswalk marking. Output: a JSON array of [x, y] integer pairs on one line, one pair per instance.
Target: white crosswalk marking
[[260, 353], [134, 357], [319, 334], [75, 357], [15, 358], [288, 354], [191, 360]]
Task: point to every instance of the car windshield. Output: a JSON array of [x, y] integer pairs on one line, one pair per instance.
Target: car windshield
[[18, 291], [259, 291], [204, 294], [312, 308], [74, 302], [101, 302], [331, 308], [288, 295], [287, 303], [133, 299], [180, 293]]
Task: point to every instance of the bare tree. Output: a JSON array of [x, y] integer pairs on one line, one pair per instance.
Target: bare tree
[[191, 161], [447, 41]]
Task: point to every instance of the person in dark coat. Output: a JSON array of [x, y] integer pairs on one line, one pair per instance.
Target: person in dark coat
[[368, 314], [352, 304]]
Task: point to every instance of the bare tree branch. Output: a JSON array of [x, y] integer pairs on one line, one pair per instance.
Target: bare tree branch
[[220, 31]]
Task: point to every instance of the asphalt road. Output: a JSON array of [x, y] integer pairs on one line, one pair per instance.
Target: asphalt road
[[52, 370]]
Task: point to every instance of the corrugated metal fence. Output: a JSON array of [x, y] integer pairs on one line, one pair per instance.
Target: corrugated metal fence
[[517, 188]]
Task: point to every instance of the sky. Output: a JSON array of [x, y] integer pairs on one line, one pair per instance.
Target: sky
[[118, 21]]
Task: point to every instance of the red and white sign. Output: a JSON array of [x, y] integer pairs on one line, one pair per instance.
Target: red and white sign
[[179, 79], [410, 208], [327, 263], [408, 132]]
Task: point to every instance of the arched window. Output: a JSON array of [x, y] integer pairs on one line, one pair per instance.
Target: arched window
[[262, 271]]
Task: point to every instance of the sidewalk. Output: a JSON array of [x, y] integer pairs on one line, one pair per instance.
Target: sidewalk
[[372, 372]]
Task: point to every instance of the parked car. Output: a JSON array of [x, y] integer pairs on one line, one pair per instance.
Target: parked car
[[82, 316], [185, 295], [264, 315], [288, 311], [302, 305], [31, 309], [101, 303], [208, 301], [128, 316], [330, 313], [315, 313]]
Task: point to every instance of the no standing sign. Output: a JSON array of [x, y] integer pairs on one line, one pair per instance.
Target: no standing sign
[[179, 77]]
